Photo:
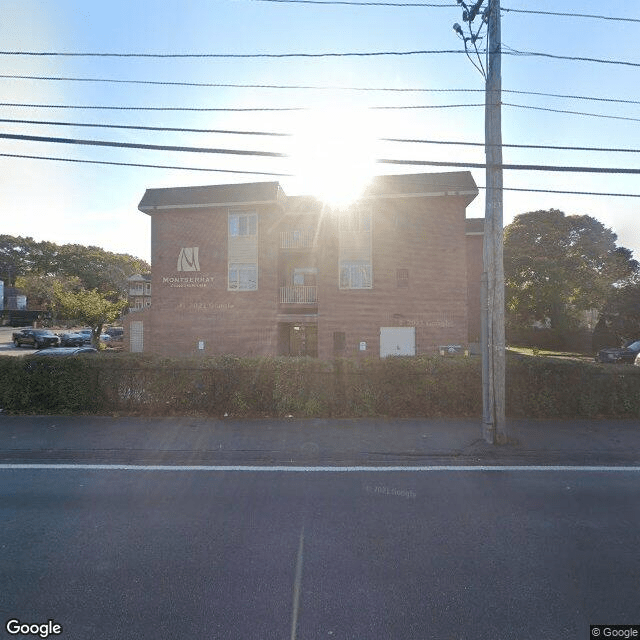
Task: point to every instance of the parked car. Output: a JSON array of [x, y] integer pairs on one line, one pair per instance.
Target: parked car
[[72, 339], [637, 360], [88, 335], [67, 351], [628, 353], [116, 333], [36, 338]]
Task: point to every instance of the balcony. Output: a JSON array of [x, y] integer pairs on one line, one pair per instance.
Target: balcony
[[297, 239], [299, 294]]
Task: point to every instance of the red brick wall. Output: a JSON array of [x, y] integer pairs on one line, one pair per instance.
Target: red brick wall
[[185, 313], [425, 236]]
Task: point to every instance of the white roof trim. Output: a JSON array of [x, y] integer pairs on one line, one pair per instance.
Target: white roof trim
[[206, 205]]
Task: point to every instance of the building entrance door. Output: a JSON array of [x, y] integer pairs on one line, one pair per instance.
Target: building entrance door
[[298, 339]]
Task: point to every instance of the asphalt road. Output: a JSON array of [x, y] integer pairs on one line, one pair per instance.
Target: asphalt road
[[442, 553]]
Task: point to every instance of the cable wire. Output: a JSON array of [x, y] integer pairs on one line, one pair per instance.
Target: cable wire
[[133, 145], [468, 165], [569, 15], [313, 87], [363, 4], [287, 175], [576, 113], [145, 128], [223, 109], [288, 135], [144, 166], [326, 54]]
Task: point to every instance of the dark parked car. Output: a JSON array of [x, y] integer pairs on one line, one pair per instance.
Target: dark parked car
[[87, 334], [67, 351], [116, 333], [626, 354], [36, 338], [72, 340]]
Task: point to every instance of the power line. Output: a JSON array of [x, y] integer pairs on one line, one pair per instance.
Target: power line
[[513, 167], [298, 87], [146, 128], [468, 165], [327, 54], [576, 113], [570, 15], [132, 145], [223, 109], [287, 175], [324, 54], [144, 166], [292, 109], [363, 4], [128, 108], [513, 146], [288, 135], [554, 56]]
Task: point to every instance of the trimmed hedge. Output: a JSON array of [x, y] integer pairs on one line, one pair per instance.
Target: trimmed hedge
[[133, 384]]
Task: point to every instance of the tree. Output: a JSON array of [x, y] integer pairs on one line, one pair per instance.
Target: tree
[[621, 312], [557, 265], [32, 266], [88, 307]]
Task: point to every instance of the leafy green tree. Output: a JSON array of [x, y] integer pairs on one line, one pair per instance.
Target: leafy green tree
[[621, 312], [33, 266], [88, 307], [557, 265]]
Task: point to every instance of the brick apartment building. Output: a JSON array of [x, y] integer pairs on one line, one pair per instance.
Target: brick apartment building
[[244, 269]]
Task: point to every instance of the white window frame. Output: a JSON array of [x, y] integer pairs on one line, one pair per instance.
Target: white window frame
[[243, 224], [240, 276], [359, 275]]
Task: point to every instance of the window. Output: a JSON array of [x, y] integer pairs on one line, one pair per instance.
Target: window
[[355, 275], [243, 224], [402, 278], [243, 277]]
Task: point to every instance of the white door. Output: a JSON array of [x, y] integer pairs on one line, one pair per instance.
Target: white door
[[397, 341]]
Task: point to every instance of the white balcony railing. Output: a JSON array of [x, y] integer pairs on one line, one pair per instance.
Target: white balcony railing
[[297, 239], [299, 294]]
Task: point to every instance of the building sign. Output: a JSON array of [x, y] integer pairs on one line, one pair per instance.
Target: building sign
[[188, 259], [186, 282], [198, 305]]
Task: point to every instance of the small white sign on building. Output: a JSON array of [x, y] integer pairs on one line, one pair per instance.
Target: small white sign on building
[[397, 341]]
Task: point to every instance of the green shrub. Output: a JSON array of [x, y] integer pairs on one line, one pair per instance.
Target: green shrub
[[138, 384]]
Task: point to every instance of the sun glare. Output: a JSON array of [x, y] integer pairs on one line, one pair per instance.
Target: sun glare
[[333, 154]]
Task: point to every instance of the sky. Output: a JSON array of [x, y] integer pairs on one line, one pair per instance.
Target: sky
[[334, 130]]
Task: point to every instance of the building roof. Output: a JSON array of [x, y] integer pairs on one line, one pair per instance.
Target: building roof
[[211, 196], [140, 277], [453, 183]]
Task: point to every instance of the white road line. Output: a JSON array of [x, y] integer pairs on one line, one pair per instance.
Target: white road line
[[311, 469], [296, 587]]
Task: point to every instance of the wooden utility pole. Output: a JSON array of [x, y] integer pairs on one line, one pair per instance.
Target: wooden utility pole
[[493, 340]]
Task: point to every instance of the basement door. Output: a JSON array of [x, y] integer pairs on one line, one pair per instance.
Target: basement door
[[397, 341]]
